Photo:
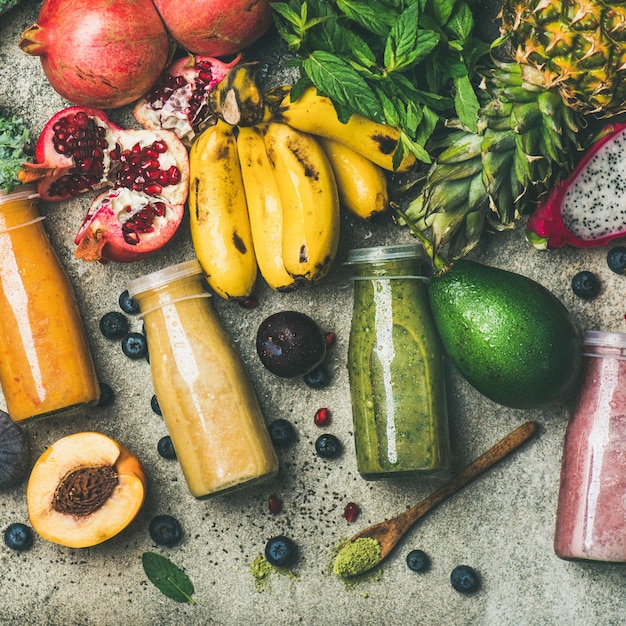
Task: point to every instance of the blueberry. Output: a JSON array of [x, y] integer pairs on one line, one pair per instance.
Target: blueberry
[[282, 432], [165, 448], [165, 530], [114, 325], [134, 346], [18, 536], [156, 407], [586, 285], [106, 395], [317, 378], [417, 560], [616, 259], [464, 579], [127, 304], [281, 551], [328, 446]]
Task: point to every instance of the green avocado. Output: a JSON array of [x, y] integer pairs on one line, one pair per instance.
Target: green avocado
[[510, 337]]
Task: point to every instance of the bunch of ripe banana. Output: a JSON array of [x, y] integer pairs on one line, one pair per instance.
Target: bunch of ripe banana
[[268, 179]]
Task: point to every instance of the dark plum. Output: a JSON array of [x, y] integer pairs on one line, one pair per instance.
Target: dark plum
[[290, 344]]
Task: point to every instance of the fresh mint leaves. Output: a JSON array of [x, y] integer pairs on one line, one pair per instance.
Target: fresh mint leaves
[[408, 63], [167, 577]]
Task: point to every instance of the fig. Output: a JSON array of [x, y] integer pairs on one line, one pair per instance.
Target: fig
[[14, 452], [84, 489], [290, 344]]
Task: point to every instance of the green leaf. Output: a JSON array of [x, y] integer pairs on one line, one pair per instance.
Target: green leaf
[[168, 578], [402, 38], [442, 9], [461, 22], [466, 102], [341, 83], [374, 16]]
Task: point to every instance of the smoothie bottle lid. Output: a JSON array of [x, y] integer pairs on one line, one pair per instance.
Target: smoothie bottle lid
[[598, 343], [164, 276], [18, 193], [385, 253]]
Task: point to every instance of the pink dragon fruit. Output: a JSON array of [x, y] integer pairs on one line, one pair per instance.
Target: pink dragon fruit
[[588, 208]]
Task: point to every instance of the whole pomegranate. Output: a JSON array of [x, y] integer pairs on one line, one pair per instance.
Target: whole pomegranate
[[98, 53], [216, 27], [145, 174]]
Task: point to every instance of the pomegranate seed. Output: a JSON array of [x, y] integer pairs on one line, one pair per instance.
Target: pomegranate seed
[[153, 189], [173, 175], [275, 505], [249, 303], [330, 338], [351, 512], [322, 417], [159, 146]]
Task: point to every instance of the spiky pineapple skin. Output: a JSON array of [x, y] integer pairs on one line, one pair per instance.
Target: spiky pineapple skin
[[579, 46]]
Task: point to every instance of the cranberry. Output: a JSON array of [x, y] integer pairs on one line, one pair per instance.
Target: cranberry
[[322, 417], [351, 512]]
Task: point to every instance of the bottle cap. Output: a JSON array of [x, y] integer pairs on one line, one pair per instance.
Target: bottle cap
[[602, 343], [18, 193], [164, 276], [385, 253]]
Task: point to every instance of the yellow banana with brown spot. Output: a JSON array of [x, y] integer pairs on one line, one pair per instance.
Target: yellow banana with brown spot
[[220, 228], [361, 183], [310, 201], [264, 207], [315, 114]]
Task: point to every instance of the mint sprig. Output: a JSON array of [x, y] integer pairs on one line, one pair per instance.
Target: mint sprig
[[169, 579], [408, 63]]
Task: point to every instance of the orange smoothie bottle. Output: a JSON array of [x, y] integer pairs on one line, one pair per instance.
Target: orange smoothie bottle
[[45, 362], [206, 397]]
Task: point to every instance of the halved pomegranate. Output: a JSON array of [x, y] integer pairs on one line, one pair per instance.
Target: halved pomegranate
[[178, 100], [81, 150]]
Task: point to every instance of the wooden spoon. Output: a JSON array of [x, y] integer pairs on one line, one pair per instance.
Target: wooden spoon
[[389, 532]]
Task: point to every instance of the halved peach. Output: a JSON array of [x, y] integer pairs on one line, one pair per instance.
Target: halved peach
[[84, 489]]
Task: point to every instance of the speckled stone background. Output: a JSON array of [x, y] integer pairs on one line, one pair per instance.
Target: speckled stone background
[[502, 525]]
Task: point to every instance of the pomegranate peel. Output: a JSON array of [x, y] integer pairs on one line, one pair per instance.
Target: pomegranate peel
[[216, 27], [586, 210], [178, 99], [98, 53]]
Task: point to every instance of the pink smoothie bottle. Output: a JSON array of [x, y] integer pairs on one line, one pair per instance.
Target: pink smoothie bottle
[[591, 513]]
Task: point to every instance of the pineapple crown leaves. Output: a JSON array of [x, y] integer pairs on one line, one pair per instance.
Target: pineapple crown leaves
[[407, 63], [486, 180]]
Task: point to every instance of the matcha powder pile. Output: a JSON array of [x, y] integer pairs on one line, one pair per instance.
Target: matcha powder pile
[[357, 557]]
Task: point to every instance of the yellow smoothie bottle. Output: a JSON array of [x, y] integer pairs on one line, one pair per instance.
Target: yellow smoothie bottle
[[206, 397], [45, 361]]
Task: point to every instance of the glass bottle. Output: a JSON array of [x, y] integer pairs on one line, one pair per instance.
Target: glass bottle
[[45, 361], [591, 512], [206, 397], [395, 366]]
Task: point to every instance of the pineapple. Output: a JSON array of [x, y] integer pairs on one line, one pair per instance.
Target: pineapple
[[579, 46], [565, 64]]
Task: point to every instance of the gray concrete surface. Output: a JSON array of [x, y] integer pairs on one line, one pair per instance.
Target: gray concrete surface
[[502, 525]]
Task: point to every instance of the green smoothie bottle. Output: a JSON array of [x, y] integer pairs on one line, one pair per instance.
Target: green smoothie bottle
[[395, 365]]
